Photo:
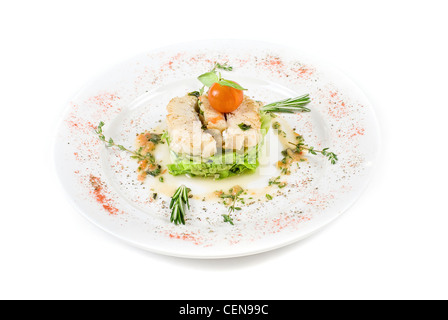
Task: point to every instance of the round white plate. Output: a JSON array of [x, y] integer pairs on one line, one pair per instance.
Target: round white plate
[[132, 98]]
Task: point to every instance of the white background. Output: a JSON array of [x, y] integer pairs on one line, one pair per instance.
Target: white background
[[391, 245]]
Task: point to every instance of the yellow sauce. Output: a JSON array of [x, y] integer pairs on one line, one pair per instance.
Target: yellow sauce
[[255, 185]]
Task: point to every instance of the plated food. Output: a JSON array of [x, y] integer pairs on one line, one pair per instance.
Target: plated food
[[216, 149], [217, 133]]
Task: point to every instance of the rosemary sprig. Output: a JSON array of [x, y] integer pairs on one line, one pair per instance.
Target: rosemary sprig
[[111, 143], [300, 146], [178, 203], [290, 105]]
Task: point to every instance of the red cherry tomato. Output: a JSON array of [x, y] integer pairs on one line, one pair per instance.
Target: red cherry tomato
[[224, 99]]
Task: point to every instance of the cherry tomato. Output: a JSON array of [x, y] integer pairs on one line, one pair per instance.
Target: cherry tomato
[[224, 99]]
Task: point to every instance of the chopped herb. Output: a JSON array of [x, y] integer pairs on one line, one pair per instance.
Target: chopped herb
[[268, 196], [155, 138], [194, 94], [276, 181], [244, 126], [155, 172], [276, 125], [283, 133], [161, 179]]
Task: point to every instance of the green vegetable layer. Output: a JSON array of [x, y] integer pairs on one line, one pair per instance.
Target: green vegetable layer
[[221, 166]]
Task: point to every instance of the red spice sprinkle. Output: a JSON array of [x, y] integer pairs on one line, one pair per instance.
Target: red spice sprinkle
[[100, 197], [337, 108], [275, 64], [357, 131], [104, 100], [303, 71], [185, 236]]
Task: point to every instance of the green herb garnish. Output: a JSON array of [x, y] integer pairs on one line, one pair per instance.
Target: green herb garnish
[[134, 154], [155, 138], [212, 77], [224, 66], [155, 172], [300, 146], [164, 137], [178, 203], [194, 94], [228, 218], [234, 197], [234, 194], [244, 126], [276, 181], [290, 105]]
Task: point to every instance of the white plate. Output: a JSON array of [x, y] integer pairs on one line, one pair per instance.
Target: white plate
[[132, 98]]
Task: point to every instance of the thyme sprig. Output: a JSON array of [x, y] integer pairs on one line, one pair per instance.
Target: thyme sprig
[[301, 146], [224, 67], [234, 196], [178, 205], [290, 105], [228, 218], [110, 143]]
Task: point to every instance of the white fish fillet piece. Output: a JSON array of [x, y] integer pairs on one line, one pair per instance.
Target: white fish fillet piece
[[247, 113], [213, 119], [185, 129]]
